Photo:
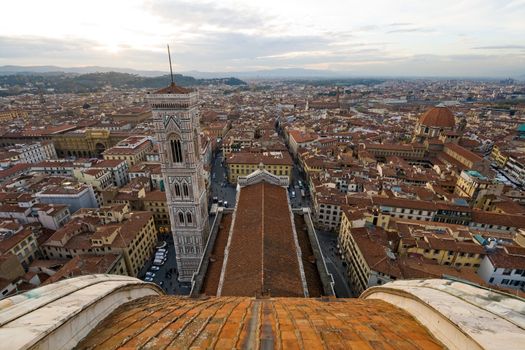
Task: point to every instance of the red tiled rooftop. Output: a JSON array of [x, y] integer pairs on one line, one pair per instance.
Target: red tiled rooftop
[[438, 117], [262, 254], [173, 89]]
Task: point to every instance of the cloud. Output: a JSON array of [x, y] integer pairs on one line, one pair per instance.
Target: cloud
[[400, 24], [34, 50], [410, 30], [206, 14], [500, 47]]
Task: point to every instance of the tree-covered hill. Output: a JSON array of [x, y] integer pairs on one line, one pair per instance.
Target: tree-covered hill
[[92, 82]]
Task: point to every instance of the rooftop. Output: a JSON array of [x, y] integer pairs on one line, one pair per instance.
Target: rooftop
[[261, 255], [438, 117], [173, 89]]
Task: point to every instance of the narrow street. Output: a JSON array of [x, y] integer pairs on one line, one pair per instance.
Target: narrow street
[[220, 187], [334, 263]]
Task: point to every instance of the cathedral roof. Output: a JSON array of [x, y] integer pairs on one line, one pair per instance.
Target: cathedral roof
[[438, 117]]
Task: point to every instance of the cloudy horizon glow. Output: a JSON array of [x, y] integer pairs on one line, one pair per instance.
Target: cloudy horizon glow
[[377, 37]]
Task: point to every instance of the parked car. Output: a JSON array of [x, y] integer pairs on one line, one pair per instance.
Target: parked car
[[150, 274], [226, 204], [220, 202], [158, 262], [148, 279], [215, 199], [155, 268]]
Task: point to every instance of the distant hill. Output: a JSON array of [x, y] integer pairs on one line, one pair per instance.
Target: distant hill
[[53, 70], [92, 82]]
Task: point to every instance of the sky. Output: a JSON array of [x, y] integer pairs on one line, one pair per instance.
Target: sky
[[374, 37]]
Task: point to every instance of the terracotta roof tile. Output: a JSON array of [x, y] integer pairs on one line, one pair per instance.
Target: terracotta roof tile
[[239, 322]]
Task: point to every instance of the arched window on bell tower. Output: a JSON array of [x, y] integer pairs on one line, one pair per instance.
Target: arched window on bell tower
[[181, 218], [176, 151], [185, 190], [189, 219], [177, 190]]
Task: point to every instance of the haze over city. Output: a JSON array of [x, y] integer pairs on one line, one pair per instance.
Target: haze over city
[[475, 38]]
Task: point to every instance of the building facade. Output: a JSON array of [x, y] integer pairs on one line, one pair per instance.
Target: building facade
[[175, 116]]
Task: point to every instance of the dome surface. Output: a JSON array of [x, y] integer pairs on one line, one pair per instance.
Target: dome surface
[[440, 117]]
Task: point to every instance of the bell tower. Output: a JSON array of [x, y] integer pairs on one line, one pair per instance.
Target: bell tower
[[176, 120]]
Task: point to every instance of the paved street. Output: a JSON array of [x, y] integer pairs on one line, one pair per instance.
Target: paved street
[[328, 242], [299, 201], [220, 187], [167, 273]]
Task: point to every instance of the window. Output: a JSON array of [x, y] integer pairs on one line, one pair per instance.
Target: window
[[177, 190], [185, 190], [181, 218], [176, 151], [505, 281], [507, 272], [188, 218]]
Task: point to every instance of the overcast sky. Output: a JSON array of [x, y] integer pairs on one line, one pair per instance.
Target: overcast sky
[[392, 37]]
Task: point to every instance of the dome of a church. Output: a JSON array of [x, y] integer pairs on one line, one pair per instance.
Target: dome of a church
[[115, 312], [440, 117]]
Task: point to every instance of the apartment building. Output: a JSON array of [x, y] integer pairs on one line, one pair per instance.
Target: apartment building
[[108, 230], [132, 149], [245, 163]]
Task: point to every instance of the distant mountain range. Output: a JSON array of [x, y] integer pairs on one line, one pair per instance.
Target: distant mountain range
[[278, 73], [50, 70]]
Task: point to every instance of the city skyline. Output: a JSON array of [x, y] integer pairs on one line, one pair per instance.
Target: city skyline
[[471, 38]]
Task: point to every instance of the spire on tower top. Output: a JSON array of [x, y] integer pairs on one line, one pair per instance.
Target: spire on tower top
[[171, 70]]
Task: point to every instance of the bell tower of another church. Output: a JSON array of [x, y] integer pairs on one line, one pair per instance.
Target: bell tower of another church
[[176, 120]]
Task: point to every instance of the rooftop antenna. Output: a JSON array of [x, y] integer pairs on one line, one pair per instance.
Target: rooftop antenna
[[171, 70]]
